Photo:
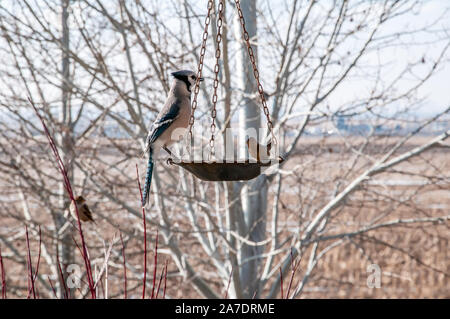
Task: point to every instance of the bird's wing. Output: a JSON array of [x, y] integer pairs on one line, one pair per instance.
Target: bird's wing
[[166, 118], [88, 212]]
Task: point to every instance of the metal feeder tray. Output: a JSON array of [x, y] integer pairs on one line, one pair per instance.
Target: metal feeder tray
[[215, 171]]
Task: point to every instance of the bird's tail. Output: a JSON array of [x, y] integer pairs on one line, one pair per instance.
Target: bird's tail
[[148, 178]]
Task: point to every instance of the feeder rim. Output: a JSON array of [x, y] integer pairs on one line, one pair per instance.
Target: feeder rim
[[269, 162]]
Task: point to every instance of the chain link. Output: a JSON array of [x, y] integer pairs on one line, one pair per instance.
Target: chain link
[[216, 76], [217, 68], [256, 73], [200, 67]]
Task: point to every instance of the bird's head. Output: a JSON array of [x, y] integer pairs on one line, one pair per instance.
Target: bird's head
[[79, 199], [187, 77]]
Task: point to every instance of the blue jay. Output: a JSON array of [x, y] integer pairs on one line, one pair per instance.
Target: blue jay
[[173, 117]]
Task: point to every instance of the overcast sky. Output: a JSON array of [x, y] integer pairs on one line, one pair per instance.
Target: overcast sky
[[437, 89]]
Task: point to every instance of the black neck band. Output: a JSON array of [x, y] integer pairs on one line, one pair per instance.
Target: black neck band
[[185, 80]]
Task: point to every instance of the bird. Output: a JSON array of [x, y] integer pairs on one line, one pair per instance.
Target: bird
[[172, 119], [84, 212], [260, 152]]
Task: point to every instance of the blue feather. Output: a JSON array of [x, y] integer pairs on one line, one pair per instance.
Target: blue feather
[[164, 122], [148, 178], [158, 128]]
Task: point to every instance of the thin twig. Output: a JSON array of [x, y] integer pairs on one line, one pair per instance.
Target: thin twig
[[68, 187], [2, 268], [30, 267], [145, 234], [62, 276], [165, 280], [159, 283], [294, 267], [53, 288], [39, 255], [124, 268], [281, 281], [38, 261], [155, 264], [228, 285]]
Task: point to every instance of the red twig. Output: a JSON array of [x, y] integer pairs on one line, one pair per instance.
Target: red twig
[[159, 283], [78, 246], [3, 275], [145, 234], [53, 288], [155, 264], [66, 295], [124, 269], [28, 279], [228, 285], [294, 267], [165, 280], [39, 255], [281, 280], [30, 267], [68, 187], [37, 266], [81, 252]]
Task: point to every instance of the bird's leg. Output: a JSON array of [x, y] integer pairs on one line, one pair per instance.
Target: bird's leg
[[167, 150], [170, 160]]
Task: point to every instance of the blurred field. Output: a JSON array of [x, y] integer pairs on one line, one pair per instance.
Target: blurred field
[[414, 259]]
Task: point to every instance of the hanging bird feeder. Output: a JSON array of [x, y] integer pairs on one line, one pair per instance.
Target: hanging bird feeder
[[224, 170], [215, 171]]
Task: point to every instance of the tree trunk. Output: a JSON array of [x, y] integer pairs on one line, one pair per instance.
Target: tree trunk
[[64, 137], [254, 193]]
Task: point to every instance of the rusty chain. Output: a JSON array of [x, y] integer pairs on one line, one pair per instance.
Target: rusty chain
[[217, 67], [200, 67], [216, 74], [256, 72]]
